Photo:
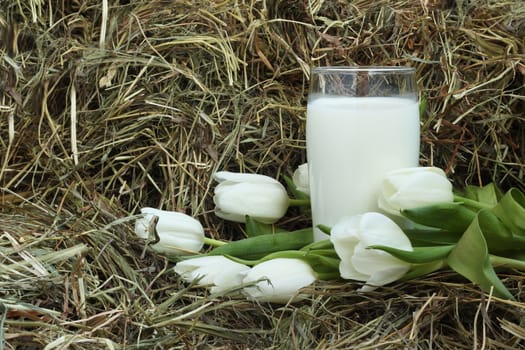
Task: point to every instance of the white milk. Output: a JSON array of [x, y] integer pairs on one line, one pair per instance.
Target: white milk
[[352, 142]]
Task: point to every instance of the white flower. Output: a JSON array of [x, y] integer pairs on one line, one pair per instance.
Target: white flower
[[279, 279], [410, 188], [352, 236], [217, 271], [301, 180], [178, 233], [259, 196]]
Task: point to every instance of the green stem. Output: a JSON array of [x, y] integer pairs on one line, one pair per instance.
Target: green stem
[[323, 244], [324, 229], [472, 203], [294, 254], [419, 270], [316, 259], [242, 261], [299, 202], [500, 261], [328, 276], [213, 242]]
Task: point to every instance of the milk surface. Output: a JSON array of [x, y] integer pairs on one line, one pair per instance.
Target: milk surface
[[352, 142]]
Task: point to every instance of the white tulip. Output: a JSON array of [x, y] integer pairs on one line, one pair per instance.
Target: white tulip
[[410, 188], [258, 196], [351, 238], [217, 271], [178, 233], [301, 180], [279, 279]]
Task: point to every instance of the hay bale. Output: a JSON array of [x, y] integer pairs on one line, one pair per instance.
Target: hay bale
[[108, 106]]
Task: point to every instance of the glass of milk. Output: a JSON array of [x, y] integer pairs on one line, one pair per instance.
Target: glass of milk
[[361, 123]]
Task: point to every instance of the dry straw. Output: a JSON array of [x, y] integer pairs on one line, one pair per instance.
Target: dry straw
[[108, 106]]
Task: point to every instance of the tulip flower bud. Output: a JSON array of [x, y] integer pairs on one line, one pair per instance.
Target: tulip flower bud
[[410, 188], [178, 233], [258, 196], [301, 180], [352, 236], [218, 272], [280, 280]]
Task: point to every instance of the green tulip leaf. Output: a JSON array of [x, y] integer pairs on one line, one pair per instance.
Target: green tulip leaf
[[325, 264], [255, 228], [428, 236], [325, 229], [498, 236], [488, 195], [508, 261], [511, 211], [322, 244], [470, 258], [418, 270], [420, 255], [259, 246], [293, 189], [329, 253], [452, 217], [328, 266], [516, 255], [422, 106]]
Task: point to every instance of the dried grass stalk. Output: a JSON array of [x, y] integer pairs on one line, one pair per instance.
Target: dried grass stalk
[[108, 106]]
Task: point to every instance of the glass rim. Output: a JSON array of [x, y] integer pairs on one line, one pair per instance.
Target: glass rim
[[368, 69]]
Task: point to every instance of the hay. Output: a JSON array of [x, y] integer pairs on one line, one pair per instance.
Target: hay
[[109, 106]]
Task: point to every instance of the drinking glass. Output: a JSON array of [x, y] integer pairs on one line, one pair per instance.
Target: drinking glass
[[362, 122]]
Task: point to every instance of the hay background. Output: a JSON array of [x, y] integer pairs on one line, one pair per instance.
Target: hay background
[[105, 110]]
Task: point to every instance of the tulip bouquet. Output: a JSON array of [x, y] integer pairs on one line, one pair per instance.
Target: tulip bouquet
[[474, 234], [422, 225]]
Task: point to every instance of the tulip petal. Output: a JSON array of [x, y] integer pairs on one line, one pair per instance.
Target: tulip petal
[[301, 180], [351, 238], [384, 203], [348, 271], [372, 261], [422, 188], [414, 187], [285, 277], [265, 202], [219, 272], [178, 242], [223, 176], [141, 227], [378, 229], [229, 216], [383, 277], [344, 245], [344, 238], [179, 234]]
